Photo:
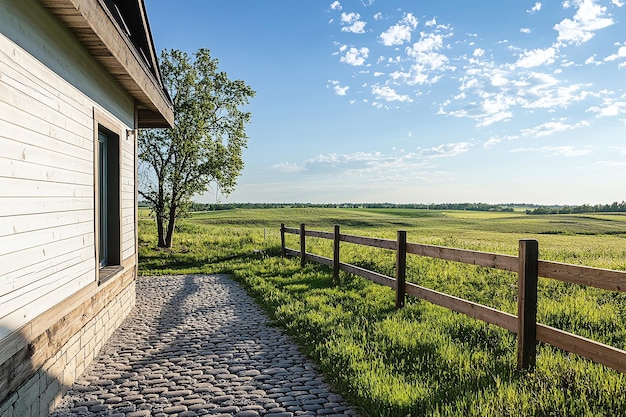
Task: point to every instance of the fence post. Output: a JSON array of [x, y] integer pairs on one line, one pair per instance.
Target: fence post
[[527, 303], [400, 268], [336, 255], [282, 240], [302, 246]]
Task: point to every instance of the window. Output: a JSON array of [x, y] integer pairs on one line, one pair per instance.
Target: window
[[107, 202]]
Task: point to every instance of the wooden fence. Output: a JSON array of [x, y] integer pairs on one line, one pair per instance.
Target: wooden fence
[[527, 265]]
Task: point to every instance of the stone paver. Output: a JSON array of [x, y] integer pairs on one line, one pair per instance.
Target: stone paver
[[198, 345]]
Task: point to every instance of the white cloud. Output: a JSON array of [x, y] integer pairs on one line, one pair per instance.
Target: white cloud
[[378, 16], [542, 91], [335, 5], [400, 32], [492, 141], [498, 79], [356, 27], [397, 166], [355, 57], [491, 118], [410, 20], [621, 53], [396, 35], [427, 60], [550, 128], [566, 151], [389, 94], [351, 23], [432, 22], [288, 168], [341, 91], [589, 17], [446, 150], [535, 58], [428, 42], [609, 108], [349, 18], [535, 8], [525, 30], [617, 3], [478, 52]]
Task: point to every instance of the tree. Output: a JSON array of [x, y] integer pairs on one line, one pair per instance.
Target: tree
[[204, 146]]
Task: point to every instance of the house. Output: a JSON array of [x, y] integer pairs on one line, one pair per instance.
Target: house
[[77, 79]]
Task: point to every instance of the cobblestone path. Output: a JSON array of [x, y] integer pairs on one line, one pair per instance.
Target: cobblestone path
[[198, 345]]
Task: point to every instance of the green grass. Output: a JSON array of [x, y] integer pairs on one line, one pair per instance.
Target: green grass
[[423, 359]]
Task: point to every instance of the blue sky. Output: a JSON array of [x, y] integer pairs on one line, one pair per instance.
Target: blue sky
[[489, 101]]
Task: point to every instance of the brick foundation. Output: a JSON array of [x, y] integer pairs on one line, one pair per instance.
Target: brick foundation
[[102, 313]]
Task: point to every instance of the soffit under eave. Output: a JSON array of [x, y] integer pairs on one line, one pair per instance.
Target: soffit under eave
[[97, 30]]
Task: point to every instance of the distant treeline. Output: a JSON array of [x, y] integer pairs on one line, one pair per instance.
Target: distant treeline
[[585, 208], [530, 208], [446, 206]]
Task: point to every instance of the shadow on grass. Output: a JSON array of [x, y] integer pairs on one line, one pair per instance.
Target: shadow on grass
[[162, 262]]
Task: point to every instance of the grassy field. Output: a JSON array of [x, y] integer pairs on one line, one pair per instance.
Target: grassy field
[[422, 360]]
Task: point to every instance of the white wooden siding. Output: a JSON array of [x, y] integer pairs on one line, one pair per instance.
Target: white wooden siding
[[47, 219], [128, 198]]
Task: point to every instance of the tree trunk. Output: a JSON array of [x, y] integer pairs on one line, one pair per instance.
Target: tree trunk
[[160, 230], [170, 226]]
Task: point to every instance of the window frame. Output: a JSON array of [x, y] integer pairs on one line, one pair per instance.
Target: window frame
[[113, 130]]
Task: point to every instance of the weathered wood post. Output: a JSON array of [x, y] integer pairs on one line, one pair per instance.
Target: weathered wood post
[[282, 240], [527, 303], [400, 268], [302, 245], [336, 255]]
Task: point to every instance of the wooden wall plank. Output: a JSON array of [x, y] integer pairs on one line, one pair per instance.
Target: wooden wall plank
[[24, 351], [22, 297], [13, 99], [19, 242], [31, 131], [14, 206], [29, 138], [26, 90], [32, 222], [44, 300], [47, 227], [21, 170], [12, 187], [18, 261], [23, 66], [45, 270]]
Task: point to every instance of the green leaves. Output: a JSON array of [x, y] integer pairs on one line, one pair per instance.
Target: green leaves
[[205, 144]]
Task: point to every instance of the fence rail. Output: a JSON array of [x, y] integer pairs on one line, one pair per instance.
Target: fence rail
[[527, 265]]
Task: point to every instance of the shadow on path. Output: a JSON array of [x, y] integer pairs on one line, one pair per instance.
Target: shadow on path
[[199, 345]]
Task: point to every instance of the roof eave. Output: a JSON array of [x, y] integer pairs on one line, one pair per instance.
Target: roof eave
[[92, 23]]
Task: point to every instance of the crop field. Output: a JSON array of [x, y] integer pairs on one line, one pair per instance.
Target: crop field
[[423, 359]]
